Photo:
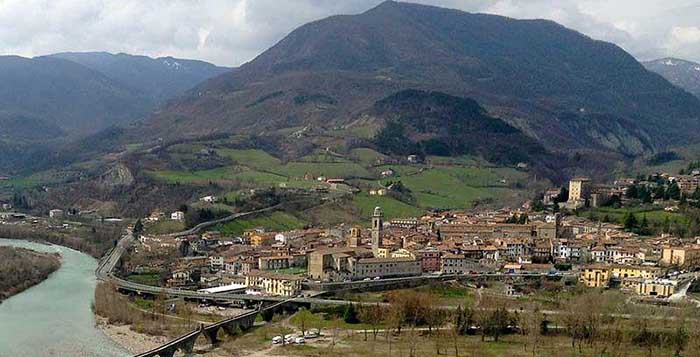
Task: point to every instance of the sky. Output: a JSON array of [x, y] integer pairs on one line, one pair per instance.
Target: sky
[[232, 32]]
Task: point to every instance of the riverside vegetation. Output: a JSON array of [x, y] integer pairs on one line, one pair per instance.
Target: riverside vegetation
[[22, 268]]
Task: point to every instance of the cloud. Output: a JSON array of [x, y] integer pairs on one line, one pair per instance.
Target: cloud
[[686, 35], [231, 32]]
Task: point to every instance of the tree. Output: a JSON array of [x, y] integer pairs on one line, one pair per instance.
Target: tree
[[630, 222], [373, 316], [350, 314], [496, 323], [138, 228], [644, 226], [674, 192], [302, 318]]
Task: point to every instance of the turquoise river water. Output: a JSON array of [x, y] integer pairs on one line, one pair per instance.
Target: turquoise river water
[[54, 318]]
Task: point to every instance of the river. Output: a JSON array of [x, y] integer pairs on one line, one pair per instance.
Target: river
[[54, 318]]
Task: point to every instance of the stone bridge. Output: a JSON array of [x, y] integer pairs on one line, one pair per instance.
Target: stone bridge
[[230, 326]]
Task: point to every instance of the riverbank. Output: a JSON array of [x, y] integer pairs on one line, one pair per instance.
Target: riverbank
[[21, 268], [130, 340]]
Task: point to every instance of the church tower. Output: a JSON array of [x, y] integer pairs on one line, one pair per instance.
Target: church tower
[[354, 237], [377, 228]]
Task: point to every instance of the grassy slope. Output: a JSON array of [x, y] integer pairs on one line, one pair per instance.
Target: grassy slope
[[277, 221]]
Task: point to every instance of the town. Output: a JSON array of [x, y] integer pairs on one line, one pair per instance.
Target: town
[[550, 242]]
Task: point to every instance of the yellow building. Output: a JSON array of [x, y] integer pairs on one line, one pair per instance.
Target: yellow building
[[579, 189], [595, 276], [381, 253], [274, 284], [628, 271], [259, 239], [660, 288], [403, 253], [681, 256]]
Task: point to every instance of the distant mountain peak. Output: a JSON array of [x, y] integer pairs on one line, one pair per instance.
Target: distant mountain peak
[[682, 73]]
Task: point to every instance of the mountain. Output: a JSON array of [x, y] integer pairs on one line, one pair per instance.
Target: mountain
[[565, 90], [48, 101], [684, 74], [160, 79], [434, 123], [65, 94]]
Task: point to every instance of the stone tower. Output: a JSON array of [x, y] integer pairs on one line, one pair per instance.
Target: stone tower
[[354, 237], [377, 227]]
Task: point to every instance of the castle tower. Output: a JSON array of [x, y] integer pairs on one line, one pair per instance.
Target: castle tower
[[354, 237], [377, 227]]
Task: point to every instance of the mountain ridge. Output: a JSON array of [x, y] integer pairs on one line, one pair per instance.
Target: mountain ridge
[[558, 86], [682, 73]]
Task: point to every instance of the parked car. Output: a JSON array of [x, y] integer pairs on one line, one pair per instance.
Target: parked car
[[277, 340], [299, 341]]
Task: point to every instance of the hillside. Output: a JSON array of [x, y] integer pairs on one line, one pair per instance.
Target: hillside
[[160, 79], [684, 74], [434, 123], [565, 90], [65, 94], [46, 103]]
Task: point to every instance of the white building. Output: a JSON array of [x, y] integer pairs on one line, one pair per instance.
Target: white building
[[177, 216]]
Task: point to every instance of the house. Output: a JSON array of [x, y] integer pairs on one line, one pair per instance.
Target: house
[[274, 263], [56, 213], [386, 268], [595, 276], [430, 259], [688, 256], [180, 278], [209, 199], [455, 264], [659, 288], [260, 239], [216, 263], [388, 173], [177, 216], [274, 284]]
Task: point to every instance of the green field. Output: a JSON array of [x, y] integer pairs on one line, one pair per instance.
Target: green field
[[165, 226], [277, 221], [252, 158], [653, 214], [392, 208], [454, 186]]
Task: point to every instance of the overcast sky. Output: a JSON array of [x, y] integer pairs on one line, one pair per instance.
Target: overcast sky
[[231, 32]]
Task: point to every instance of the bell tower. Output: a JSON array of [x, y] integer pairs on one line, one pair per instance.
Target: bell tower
[[377, 229]]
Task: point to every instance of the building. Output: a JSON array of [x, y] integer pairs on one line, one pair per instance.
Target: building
[[406, 223], [334, 264], [658, 288], [209, 199], [688, 183], [386, 268], [354, 238], [430, 260], [579, 189], [274, 263], [377, 229], [259, 239], [595, 276], [177, 216], [274, 284], [456, 264], [681, 256], [56, 213], [216, 263]]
